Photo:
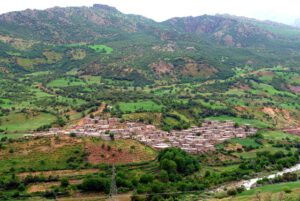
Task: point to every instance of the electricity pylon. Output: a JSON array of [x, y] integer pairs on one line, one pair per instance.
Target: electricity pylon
[[113, 185]]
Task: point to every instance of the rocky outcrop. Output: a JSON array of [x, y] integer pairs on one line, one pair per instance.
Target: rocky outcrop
[[162, 67]]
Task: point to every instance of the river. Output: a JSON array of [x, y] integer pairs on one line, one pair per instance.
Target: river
[[249, 183]]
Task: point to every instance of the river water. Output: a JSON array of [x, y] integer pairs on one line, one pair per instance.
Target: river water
[[249, 183]]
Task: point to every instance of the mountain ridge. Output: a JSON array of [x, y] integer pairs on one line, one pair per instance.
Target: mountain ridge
[[185, 47]]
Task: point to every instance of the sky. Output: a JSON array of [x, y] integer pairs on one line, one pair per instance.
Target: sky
[[285, 11]]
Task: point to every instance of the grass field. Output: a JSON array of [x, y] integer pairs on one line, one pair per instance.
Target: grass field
[[268, 192], [155, 118], [139, 106], [65, 82], [19, 122], [273, 188], [5, 103], [265, 147], [279, 135], [13, 136], [92, 79], [101, 49], [213, 105], [245, 142], [253, 122]]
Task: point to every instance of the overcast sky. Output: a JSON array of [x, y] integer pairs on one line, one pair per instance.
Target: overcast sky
[[285, 11]]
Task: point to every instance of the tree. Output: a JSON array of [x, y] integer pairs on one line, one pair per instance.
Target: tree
[[95, 184], [168, 165], [163, 176], [112, 136], [146, 178], [175, 160], [60, 121], [64, 182]]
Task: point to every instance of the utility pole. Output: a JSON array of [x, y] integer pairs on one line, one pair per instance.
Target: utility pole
[[113, 185]]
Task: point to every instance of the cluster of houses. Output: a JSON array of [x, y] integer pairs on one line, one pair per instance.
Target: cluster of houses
[[192, 140]]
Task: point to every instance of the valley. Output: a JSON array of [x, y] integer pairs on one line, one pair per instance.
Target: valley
[[179, 108]]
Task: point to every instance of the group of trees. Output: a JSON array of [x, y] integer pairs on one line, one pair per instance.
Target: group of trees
[[278, 160], [286, 177], [177, 161]]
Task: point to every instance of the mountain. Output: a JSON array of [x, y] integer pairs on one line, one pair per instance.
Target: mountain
[[197, 47], [297, 22], [73, 70], [74, 24]]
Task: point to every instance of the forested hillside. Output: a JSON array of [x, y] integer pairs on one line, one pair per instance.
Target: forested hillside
[[59, 64]]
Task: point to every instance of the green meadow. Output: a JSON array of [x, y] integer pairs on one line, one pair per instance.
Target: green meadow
[[19, 122], [101, 49], [253, 122], [128, 107]]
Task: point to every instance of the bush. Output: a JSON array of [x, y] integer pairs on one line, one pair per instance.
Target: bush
[[64, 182], [146, 178], [287, 190], [49, 194], [21, 187], [231, 192], [95, 184]]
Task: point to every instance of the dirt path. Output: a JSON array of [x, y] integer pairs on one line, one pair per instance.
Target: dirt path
[[101, 108], [45, 89], [119, 197]]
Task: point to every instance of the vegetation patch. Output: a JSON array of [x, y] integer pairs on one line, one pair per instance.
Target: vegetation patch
[[65, 82], [246, 142], [130, 107], [253, 122], [101, 49], [118, 152], [20, 122]]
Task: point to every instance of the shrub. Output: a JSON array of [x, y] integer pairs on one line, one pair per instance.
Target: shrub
[[95, 184], [64, 182], [231, 192], [146, 178], [49, 194], [21, 187], [287, 190]]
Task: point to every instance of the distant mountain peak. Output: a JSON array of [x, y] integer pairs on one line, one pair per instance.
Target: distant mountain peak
[[105, 7], [297, 23]]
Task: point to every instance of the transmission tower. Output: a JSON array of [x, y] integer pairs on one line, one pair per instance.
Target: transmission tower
[[113, 185]]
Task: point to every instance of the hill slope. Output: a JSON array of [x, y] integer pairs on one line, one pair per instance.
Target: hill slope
[[65, 61], [211, 44]]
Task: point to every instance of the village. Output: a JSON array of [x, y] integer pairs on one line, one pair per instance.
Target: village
[[193, 140]]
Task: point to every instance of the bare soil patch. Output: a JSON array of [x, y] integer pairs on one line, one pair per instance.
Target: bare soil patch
[[60, 173], [295, 89], [265, 73], [118, 152], [44, 186], [234, 147], [161, 67], [294, 131]]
